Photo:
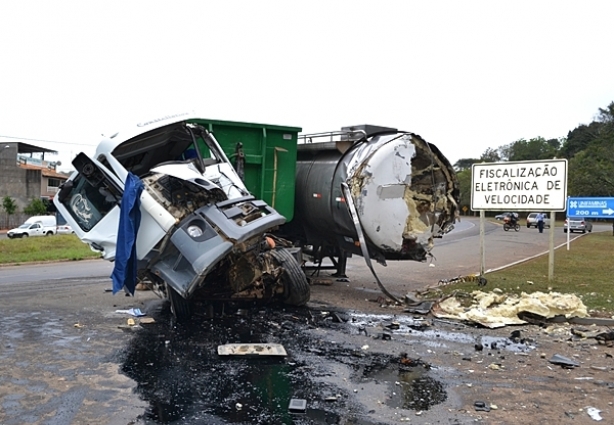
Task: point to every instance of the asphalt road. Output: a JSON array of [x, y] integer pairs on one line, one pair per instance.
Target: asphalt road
[[67, 356]]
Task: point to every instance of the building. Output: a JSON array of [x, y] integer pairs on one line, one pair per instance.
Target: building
[[24, 176]]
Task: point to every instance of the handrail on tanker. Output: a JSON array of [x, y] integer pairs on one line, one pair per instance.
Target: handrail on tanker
[[350, 134]]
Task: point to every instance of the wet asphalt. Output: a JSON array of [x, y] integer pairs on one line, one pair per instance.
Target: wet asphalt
[[67, 357]]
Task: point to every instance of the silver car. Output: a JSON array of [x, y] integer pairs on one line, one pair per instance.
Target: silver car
[[577, 224], [532, 220]]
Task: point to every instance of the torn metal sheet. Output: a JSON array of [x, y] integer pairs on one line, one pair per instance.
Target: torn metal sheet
[[254, 349], [494, 310]]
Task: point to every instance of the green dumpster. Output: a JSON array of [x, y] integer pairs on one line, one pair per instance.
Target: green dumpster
[[269, 158]]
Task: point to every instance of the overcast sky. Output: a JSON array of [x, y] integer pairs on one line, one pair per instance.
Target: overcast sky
[[465, 75]]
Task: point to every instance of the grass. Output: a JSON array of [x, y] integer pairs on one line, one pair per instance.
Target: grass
[[586, 270], [44, 248]]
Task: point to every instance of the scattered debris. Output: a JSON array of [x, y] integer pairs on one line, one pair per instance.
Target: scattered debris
[[136, 312], [421, 308], [495, 309], [322, 281], [565, 362], [393, 325], [254, 349], [297, 405], [594, 413], [606, 338], [481, 406]]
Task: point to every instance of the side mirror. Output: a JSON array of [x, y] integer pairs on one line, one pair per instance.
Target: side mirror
[[65, 190]]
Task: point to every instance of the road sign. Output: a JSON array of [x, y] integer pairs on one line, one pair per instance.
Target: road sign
[[519, 185], [590, 207]]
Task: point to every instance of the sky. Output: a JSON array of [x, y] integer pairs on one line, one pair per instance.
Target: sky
[[465, 75]]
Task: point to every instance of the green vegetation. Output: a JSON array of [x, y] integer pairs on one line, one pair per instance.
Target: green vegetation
[[36, 207], [9, 205], [44, 248], [586, 270]]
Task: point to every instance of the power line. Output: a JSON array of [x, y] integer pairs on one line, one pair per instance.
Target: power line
[[40, 140]]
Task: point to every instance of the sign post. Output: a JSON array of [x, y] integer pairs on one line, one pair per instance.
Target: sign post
[[521, 186]]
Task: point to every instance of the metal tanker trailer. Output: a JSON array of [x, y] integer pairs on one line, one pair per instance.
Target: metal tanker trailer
[[374, 191]]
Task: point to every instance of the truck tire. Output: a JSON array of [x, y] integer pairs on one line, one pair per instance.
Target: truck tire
[[180, 307], [48, 233], [296, 287], [24, 235]]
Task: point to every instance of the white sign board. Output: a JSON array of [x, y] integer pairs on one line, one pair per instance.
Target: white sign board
[[519, 186]]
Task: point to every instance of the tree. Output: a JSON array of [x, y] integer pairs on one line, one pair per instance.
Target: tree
[[9, 205], [464, 185], [530, 150], [36, 207], [579, 138], [591, 170], [490, 155], [465, 163]]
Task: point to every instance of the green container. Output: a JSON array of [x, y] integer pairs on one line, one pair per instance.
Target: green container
[[269, 153]]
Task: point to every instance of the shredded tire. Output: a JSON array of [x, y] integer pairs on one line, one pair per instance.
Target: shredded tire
[[296, 287]]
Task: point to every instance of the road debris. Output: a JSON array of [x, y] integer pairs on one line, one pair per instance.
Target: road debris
[[594, 413], [563, 361], [297, 405], [481, 406], [253, 349], [495, 309], [136, 312]]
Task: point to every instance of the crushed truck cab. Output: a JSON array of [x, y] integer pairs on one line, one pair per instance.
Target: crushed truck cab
[[164, 202]]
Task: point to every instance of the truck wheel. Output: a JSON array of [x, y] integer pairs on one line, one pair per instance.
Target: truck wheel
[[24, 235], [48, 233], [296, 287], [180, 307]]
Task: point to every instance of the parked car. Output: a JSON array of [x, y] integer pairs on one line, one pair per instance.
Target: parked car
[[30, 229], [532, 220], [577, 224], [64, 229], [503, 215]]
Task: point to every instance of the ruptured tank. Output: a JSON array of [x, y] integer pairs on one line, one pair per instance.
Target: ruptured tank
[[403, 190]]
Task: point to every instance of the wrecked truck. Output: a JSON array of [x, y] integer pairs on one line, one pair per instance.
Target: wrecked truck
[[240, 211], [163, 201], [378, 192]]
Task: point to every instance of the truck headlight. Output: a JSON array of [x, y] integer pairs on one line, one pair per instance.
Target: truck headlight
[[195, 231]]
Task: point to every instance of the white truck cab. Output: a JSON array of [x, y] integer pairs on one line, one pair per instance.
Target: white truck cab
[[196, 227]]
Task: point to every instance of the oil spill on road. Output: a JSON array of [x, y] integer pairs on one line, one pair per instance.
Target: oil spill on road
[[179, 374]]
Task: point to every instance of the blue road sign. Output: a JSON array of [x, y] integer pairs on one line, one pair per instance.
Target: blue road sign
[[590, 207]]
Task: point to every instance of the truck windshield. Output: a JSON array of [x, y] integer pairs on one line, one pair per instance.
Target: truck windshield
[[86, 204]]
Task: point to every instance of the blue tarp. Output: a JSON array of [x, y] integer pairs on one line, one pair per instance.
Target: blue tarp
[[124, 272]]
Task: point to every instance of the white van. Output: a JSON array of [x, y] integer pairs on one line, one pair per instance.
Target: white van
[[38, 225], [45, 220]]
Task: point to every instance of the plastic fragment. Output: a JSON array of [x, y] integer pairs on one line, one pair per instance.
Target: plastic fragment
[[594, 413]]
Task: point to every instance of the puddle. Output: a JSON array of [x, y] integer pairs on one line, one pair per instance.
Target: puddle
[[411, 389], [432, 336], [179, 373]]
